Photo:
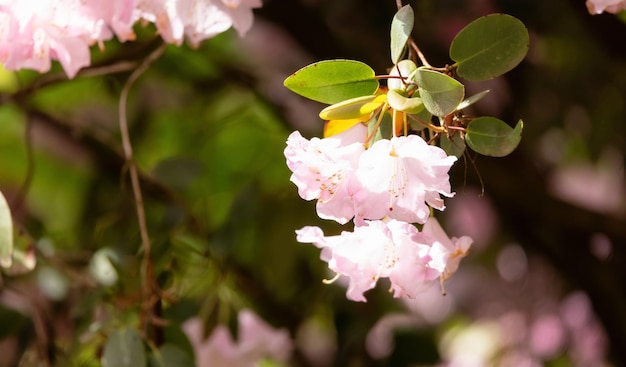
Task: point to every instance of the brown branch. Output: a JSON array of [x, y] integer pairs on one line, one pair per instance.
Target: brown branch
[[148, 281]]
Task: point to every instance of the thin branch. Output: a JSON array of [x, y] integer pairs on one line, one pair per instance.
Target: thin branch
[[149, 287], [419, 53]]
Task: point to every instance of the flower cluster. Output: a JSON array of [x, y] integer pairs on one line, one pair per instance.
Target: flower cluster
[[384, 189], [256, 341], [34, 32]]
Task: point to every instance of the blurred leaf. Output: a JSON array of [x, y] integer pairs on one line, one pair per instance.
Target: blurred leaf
[[353, 108], [6, 233], [333, 81], [493, 137], [170, 355], [12, 322], [401, 103], [440, 93], [124, 348], [453, 146], [489, 46], [401, 28]]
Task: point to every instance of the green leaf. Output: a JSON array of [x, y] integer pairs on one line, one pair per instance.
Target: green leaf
[[353, 108], [6, 234], [489, 46], [171, 355], [401, 28], [333, 81], [471, 100], [453, 146], [401, 103], [124, 348], [440, 93], [493, 137]]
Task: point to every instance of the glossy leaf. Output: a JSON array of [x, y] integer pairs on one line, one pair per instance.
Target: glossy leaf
[[401, 28], [6, 234], [124, 348], [353, 108], [333, 81], [440, 93], [493, 137], [399, 102], [453, 146], [489, 46], [471, 100]]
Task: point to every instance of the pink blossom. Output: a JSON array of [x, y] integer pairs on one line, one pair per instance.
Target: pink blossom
[[257, 340], [324, 169], [377, 249], [198, 20], [400, 176], [452, 249], [611, 6]]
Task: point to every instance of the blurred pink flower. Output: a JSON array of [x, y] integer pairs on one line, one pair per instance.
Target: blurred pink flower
[[611, 6], [257, 340], [324, 169], [34, 32], [377, 249], [400, 176]]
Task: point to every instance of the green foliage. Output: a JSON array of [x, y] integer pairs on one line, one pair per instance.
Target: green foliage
[[170, 355], [124, 348], [333, 81], [409, 105], [493, 137], [401, 27], [441, 94], [352, 108], [489, 47], [6, 234]]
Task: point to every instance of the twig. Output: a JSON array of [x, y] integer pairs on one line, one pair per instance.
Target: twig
[[419, 53], [149, 287]]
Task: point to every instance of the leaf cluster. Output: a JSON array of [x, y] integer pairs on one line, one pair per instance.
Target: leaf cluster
[[422, 99]]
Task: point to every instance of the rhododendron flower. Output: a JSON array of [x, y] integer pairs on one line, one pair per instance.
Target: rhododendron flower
[[34, 32], [377, 249], [256, 341], [454, 248], [324, 169], [400, 176], [611, 6]]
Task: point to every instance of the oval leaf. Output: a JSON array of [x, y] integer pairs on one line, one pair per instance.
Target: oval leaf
[[401, 103], [401, 28], [489, 46], [124, 348], [471, 100], [333, 81], [454, 145], [440, 93], [6, 234], [353, 108], [493, 137]]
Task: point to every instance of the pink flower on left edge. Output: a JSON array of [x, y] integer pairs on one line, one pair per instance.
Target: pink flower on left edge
[[256, 340], [400, 177], [374, 250], [324, 169]]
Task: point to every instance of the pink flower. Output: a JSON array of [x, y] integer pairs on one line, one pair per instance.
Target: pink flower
[[400, 176], [376, 249], [451, 249], [196, 19], [257, 340], [324, 169], [611, 6]]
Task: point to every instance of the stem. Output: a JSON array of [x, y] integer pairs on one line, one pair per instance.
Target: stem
[[419, 53], [149, 286]]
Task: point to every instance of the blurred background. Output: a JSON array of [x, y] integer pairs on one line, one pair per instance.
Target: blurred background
[[544, 284]]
